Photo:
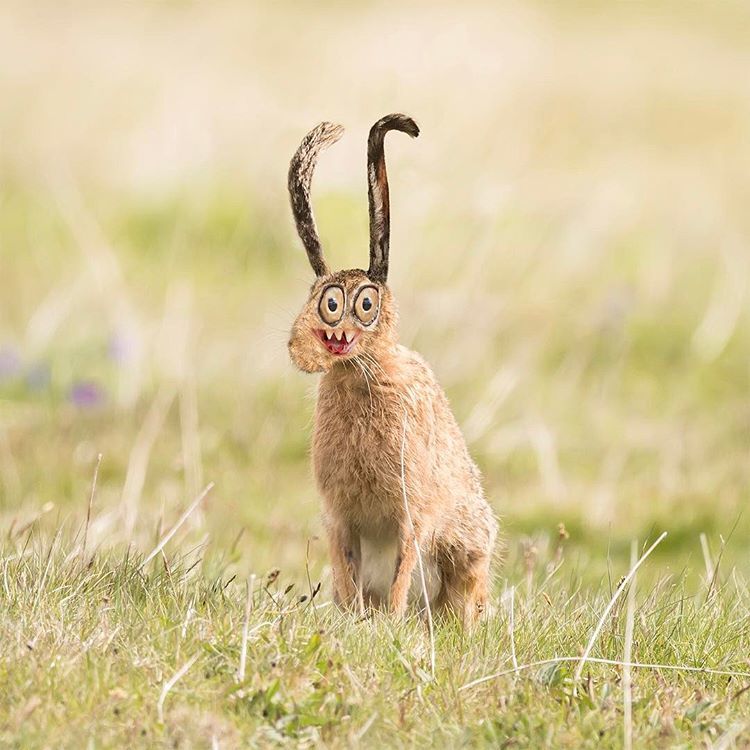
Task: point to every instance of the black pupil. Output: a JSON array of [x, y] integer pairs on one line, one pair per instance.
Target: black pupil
[[332, 304], [366, 304]]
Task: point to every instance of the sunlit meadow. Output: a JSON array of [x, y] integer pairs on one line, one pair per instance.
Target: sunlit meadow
[[570, 251]]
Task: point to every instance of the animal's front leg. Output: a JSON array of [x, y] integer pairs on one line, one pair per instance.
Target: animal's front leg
[[344, 552], [407, 561]]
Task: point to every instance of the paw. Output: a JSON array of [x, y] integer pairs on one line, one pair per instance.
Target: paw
[[398, 606]]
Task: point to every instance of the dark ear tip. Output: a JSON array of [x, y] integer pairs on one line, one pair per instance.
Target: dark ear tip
[[406, 125], [411, 127], [396, 121]]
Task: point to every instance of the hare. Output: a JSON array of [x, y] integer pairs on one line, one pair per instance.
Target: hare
[[404, 509]]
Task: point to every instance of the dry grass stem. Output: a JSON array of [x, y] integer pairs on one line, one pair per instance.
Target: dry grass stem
[[170, 683], [608, 609], [420, 564], [245, 626], [88, 509], [165, 539], [627, 686], [612, 662]]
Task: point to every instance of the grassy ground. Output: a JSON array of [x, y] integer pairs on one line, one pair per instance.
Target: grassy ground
[[570, 253], [116, 652]]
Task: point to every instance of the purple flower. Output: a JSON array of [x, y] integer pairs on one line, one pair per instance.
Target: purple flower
[[86, 395]]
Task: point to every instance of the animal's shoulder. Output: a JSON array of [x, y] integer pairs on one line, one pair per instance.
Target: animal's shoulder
[[419, 383], [415, 369]]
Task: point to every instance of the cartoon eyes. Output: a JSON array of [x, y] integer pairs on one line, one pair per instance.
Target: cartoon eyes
[[331, 305], [366, 304], [333, 301]]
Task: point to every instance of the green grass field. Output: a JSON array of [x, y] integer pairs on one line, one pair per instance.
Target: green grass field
[[570, 252]]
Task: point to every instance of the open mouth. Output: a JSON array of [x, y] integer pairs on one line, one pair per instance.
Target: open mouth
[[338, 342]]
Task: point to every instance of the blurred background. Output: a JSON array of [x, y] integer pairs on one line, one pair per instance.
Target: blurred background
[[569, 249]]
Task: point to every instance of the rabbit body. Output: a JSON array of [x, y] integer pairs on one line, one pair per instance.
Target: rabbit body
[[404, 508], [362, 424]]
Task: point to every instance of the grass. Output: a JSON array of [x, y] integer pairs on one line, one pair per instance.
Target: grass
[[120, 652], [570, 254]]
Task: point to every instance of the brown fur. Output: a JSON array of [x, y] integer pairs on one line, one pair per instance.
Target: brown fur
[[299, 179], [377, 190], [373, 403]]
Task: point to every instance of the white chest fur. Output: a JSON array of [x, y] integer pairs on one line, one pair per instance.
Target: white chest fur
[[378, 568]]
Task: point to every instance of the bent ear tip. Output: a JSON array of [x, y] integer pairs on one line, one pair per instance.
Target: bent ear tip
[[395, 121], [411, 128], [330, 132], [406, 125]]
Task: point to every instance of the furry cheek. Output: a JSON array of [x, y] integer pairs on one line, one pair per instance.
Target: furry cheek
[[306, 353]]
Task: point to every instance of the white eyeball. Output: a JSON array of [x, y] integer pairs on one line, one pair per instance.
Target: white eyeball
[[331, 305], [367, 304]]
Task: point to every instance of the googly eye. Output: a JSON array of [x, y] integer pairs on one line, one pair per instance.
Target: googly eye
[[331, 305], [367, 304]]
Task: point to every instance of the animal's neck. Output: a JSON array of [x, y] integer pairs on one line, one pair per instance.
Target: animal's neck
[[363, 371]]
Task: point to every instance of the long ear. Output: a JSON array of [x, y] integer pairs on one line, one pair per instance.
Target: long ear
[[301, 171], [377, 191]]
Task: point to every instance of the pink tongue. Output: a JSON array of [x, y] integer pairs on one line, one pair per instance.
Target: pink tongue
[[337, 346]]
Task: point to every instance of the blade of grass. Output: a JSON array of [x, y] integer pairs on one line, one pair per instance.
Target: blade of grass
[[608, 609], [160, 546]]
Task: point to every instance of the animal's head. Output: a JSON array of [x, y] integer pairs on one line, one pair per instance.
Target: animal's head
[[348, 314]]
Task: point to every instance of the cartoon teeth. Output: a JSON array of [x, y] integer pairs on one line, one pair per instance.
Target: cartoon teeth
[[343, 339], [337, 335]]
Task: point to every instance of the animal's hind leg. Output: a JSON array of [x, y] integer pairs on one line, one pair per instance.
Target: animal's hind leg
[[466, 590], [477, 593]]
